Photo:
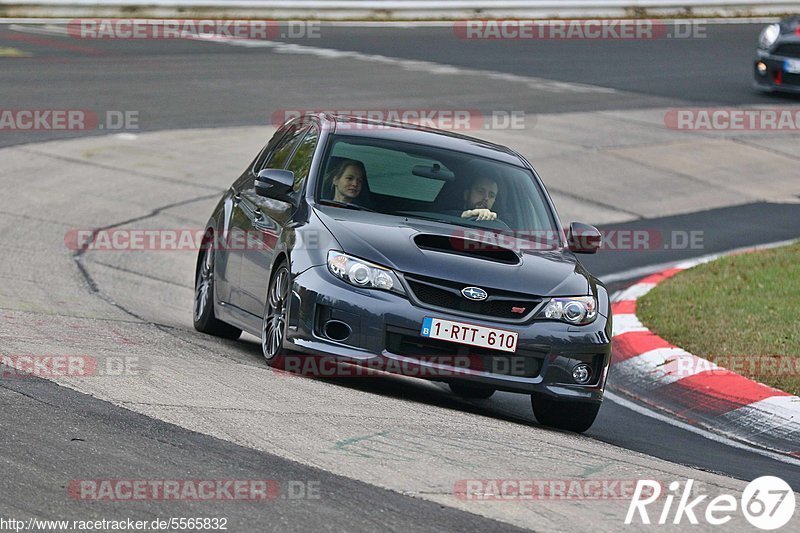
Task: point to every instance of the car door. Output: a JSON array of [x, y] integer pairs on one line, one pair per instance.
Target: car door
[[227, 255], [267, 217], [241, 214]]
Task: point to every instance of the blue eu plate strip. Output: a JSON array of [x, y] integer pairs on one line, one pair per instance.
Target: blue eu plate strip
[[426, 327]]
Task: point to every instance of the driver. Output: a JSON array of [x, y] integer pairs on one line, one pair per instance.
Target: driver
[[479, 199]]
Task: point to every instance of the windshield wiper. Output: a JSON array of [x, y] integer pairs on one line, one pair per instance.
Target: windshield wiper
[[346, 205]]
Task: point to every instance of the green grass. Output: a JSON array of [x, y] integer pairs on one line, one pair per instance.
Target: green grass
[[741, 312]]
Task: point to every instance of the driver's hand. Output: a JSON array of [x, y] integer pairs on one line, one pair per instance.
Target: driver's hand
[[480, 214]]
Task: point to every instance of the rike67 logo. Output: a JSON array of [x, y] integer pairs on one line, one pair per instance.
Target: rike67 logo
[[767, 502]]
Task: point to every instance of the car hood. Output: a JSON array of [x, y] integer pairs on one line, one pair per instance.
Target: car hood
[[393, 242]]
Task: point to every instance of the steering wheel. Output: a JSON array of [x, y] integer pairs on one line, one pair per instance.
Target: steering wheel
[[495, 221]]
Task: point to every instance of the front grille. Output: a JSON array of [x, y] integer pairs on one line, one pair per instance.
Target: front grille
[[504, 305], [791, 79], [522, 363], [787, 50]]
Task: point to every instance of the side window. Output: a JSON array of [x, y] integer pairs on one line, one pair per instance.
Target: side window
[[284, 148], [301, 160], [258, 163]]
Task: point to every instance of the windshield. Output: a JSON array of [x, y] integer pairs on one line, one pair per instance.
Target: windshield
[[417, 181]]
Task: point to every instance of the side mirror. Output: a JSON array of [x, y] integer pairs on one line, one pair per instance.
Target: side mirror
[[583, 238], [277, 184]]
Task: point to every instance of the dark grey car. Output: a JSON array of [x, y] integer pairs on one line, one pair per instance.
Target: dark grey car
[[362, 244], [777, 65]]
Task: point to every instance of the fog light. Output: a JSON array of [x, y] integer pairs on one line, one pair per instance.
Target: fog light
[[582, 373], [761, 67]]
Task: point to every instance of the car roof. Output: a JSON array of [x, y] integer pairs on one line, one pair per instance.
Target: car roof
[[413, 133]]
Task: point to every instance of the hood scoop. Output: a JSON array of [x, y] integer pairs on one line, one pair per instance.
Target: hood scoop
[[467, 247]]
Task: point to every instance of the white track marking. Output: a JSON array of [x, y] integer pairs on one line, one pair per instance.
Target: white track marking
[[634, 292], [667, 365], [430, 67], [412, 65], [47, 29], [625, 323], [697, 431], [776, 414]]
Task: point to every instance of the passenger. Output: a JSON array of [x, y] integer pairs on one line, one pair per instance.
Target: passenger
[[347, 180]]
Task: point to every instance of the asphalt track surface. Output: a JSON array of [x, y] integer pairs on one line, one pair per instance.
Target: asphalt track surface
[[180, 84], [51, 432]]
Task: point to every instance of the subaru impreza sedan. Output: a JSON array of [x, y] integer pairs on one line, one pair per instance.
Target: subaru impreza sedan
[[410, 250]]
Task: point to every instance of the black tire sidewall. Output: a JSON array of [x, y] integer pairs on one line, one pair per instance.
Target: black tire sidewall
[[283, 265]]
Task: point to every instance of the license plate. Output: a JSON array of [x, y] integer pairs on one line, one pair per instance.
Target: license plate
[[469, 334], [792, 65]]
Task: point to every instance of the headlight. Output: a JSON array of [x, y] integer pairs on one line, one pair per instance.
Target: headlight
[[580, 310], [362, 273], [769, 35]]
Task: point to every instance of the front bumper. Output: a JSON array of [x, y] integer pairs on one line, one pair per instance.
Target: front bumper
[[775, 78], [385, 334]]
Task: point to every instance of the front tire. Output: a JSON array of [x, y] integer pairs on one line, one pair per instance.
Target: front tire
[[568, 415], [273, 326], [204, 319]]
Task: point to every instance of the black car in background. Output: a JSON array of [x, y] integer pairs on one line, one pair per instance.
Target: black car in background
[[777, 65], [433, 254]]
